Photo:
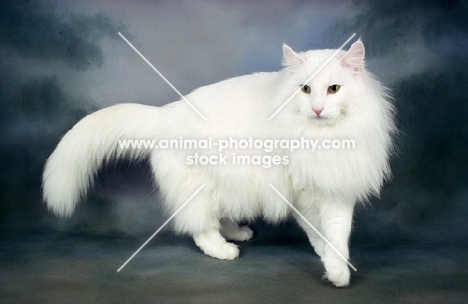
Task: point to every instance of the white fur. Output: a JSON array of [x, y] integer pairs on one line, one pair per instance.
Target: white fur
[[324, 185]]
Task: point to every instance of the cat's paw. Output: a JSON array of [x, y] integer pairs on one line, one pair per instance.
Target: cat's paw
[[226, 251], [339, 277], [241, 234], [244, 234]]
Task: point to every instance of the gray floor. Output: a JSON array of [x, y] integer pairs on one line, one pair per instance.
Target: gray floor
[[64, 267]]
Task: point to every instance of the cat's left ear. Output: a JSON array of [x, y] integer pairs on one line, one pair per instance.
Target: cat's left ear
[[354, 58], [291, 58]]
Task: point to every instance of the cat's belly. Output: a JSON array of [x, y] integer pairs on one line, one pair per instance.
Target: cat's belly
[[232, 190], [243, 192]]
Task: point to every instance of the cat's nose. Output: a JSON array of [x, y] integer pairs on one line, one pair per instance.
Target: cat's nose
[[317, 111]]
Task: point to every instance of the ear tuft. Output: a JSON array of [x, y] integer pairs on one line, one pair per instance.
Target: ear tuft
[[291, 58], [354, 58]]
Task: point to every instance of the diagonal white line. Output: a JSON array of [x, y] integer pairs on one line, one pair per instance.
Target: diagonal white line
[[162, 76], [162, 226], [313, 75], [312, 226]]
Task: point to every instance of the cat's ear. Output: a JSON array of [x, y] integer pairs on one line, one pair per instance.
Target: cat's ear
[[354, 58], [291, 58]]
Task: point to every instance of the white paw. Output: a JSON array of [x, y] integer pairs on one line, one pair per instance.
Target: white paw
[[244, 234], [226, 251], [338, 276], [241, 234]]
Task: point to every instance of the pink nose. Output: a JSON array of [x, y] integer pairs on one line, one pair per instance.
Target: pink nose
[[317, 111]]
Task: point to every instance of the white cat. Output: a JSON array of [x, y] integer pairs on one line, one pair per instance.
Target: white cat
[[343, 101]]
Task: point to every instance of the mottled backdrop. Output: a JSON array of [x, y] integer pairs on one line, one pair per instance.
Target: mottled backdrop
[[60, 60]]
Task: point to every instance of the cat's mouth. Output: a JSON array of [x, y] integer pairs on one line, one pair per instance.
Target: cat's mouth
[[321, 119]]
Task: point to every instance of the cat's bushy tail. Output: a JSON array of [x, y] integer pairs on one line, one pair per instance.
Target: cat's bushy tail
[[70, 170]]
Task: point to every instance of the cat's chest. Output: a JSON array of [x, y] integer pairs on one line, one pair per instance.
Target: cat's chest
[[320, 168]]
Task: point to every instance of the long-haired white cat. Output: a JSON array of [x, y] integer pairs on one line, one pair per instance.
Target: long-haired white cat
[[343, 101]]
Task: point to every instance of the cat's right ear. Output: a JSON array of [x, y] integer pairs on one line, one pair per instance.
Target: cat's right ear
[[354, 58], [291, 58]]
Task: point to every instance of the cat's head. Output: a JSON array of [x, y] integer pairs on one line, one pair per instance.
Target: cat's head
[[328, 85]]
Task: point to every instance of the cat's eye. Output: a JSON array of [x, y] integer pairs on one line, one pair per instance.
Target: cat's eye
[[333, 89], [305, 89]]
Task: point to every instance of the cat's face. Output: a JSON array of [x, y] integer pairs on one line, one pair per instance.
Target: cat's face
[[325, 99]]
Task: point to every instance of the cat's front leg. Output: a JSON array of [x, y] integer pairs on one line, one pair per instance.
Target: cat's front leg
[[310, 213], [335, 218]]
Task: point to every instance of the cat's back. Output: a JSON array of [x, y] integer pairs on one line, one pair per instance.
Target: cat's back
[[231, 105], [236, 91]]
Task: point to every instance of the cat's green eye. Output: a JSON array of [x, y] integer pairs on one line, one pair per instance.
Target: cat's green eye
[[333, 89], [305, 89]]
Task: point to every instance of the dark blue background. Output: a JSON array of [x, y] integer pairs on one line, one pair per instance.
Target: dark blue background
[[418, 49]]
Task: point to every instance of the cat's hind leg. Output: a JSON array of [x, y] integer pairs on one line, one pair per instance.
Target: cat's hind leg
[[204, 225], [212, 243], [197, 217], [233, 232]]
